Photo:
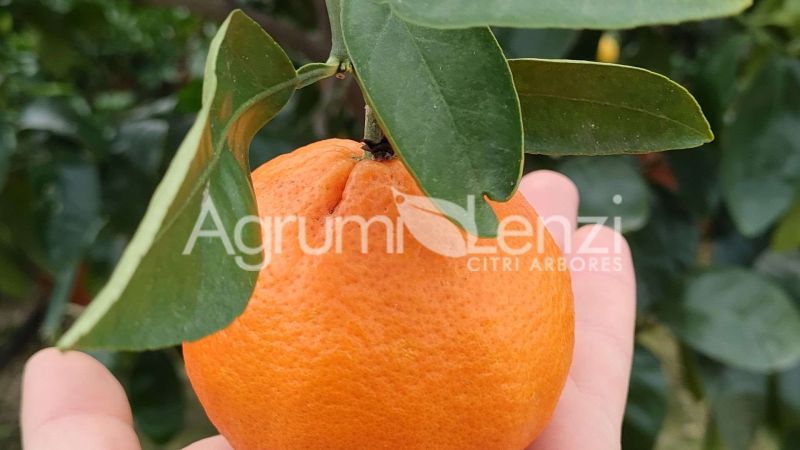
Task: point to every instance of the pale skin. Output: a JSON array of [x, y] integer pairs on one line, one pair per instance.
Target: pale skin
[[71, 401]]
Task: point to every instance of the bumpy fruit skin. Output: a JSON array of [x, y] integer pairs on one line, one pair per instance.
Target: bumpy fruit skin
[[358, 351]]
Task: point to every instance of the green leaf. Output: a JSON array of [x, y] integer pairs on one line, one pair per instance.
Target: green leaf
[[784, 269], [761, 148], [715, 83], [69, 218], [583, 108], [8, 144], [653, 50], [791, 440], [156, 395], [446, 102], [562, 13], [787, 386], [647, 401], [52, 116], [737, 317], [610, 187], [14, 282], [135, 166], [662, 252], [157, 296], [738, 404], [530, 43], [63, 284], [787, 235], [782, 13], [141, 143], [72, 196], [696, 173], [67, 117]]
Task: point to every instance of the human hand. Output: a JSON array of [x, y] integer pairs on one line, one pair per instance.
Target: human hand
[[589, 413], [70, 401]]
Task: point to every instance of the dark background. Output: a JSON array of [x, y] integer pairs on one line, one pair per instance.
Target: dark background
[[96, 95]]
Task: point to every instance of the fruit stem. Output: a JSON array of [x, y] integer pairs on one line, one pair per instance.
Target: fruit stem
[[372, 131], [376, 146], [338, 54]]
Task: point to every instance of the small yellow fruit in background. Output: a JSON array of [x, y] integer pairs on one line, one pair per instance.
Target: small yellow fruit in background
[[608, 48]]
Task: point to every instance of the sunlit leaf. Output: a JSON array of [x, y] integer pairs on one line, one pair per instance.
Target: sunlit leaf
[[51, 116]]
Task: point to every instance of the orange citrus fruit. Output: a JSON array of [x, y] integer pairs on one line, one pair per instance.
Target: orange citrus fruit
[[383, 349]]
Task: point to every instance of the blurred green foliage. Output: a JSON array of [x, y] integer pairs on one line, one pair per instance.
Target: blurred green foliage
[[95, 96]]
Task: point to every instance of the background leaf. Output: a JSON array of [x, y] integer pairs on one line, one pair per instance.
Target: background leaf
[[446, 102], [71, 210], [563, 13], [761, 148], [786, 236], [738, 404], [791, 440], [248, 80], [787, 387], [156, 395], [663, 251], [548, 43], [737, 317], [784, 269], [8, 144], [580, 108], [141, 143], [647, 401], [696, 177], [14, 283], [610, 187]]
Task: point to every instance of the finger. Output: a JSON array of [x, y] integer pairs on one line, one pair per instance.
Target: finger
[[70, 401], [605, 312], [212, 443], [555, 199], [577, 424], [591, 407]]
